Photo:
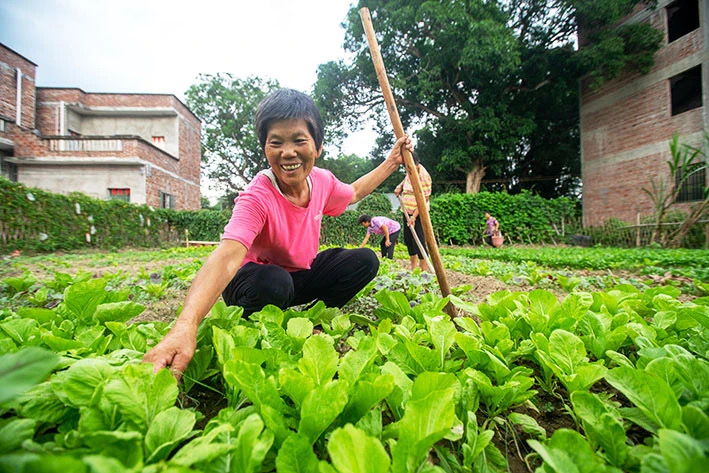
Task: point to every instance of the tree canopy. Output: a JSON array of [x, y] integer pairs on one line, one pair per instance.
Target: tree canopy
[[350, 167], [231, 154], [491, 85]]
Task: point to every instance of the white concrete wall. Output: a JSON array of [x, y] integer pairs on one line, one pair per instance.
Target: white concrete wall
[[73, 122], [145, 127], [92, 181]]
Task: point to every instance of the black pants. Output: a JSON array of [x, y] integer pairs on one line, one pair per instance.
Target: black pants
[[335, 276], [488, 240], [409, 237], [388, 251]]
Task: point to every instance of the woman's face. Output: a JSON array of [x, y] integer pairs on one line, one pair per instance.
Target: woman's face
[[291, 152]]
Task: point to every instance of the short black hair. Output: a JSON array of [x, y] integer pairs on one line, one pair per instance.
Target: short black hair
[[414, 155], [284, 104], [364, 218]]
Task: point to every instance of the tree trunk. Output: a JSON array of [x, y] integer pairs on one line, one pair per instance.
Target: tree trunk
[[474, 177]]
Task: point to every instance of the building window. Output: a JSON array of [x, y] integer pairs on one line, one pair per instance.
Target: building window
[[693, 188], [686, 90], [8, 170], [167, 201], [74, 133], [2, 125], [158, 140], [682, 18], [119, 194]]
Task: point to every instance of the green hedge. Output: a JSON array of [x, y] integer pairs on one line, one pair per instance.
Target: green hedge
[[32, 219], [524, 218], [459, 218], [203, 225]]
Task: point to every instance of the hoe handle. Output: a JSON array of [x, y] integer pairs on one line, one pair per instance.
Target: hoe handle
[[408, 160]]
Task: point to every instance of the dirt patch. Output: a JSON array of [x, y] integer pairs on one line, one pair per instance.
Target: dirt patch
[[483, 286], [206, 401], [97, 262], [164, 309]]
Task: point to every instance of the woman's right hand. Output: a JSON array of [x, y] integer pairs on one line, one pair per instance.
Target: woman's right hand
[[175, 351]]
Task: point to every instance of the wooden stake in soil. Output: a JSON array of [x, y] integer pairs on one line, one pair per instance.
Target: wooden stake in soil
[[408, 160]]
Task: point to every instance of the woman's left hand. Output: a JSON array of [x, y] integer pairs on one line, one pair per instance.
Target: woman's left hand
[[396, 154]]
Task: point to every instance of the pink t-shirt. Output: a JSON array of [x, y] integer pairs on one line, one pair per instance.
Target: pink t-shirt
[[276, 231]]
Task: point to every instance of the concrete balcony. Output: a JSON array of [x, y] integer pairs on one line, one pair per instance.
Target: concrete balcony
[[85, 144]]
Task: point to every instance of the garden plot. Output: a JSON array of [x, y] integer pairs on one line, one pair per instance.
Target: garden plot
[[607, 374]]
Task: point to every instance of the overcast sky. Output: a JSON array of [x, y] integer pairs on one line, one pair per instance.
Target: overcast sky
[[160, 46]]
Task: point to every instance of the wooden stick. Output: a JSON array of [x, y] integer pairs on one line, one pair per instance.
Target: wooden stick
[[408, 159], [413, 233]]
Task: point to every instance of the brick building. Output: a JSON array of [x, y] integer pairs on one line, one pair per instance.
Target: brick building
[[143, 148], [627, 123]]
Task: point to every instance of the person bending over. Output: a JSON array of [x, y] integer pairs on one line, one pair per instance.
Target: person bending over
[[269, 249], [386, 227]]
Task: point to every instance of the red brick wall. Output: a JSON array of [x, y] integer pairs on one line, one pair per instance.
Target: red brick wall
[[187, 195], [625, 140], [10, 61], [190, 151]]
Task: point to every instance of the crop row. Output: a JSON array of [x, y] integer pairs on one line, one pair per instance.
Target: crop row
[[682, 262], [403, 388]]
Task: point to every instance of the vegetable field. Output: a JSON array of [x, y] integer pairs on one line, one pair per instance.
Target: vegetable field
[[561, 360]]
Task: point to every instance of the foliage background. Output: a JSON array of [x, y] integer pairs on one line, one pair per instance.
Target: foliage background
[[456, 218], [32, 219]]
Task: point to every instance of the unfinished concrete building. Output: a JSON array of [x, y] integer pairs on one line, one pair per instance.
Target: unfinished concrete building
[[140, 148], [626, 124]]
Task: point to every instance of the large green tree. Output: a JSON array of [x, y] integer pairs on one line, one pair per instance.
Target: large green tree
[[231, 154], [491, 85]]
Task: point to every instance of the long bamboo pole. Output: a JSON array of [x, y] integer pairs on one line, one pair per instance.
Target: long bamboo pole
[[408, 159]]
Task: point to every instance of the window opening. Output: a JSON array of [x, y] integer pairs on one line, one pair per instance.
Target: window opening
[[119, 194], [167, 201], [693, 188], [686, 90], [682, 18]]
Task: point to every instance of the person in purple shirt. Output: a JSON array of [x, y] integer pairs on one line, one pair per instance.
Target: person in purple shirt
[[386, 227]]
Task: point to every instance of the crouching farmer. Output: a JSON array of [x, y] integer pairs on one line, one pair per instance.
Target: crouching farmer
[[269, 249]]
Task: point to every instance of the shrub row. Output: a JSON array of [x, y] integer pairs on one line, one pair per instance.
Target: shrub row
[[459, 218], [32, 219], [524, 218]]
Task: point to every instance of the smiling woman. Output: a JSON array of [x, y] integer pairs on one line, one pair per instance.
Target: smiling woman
[[291, 152], [269, 248]]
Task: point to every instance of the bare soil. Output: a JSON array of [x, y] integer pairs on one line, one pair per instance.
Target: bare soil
[[483, 286], [165, 309]]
